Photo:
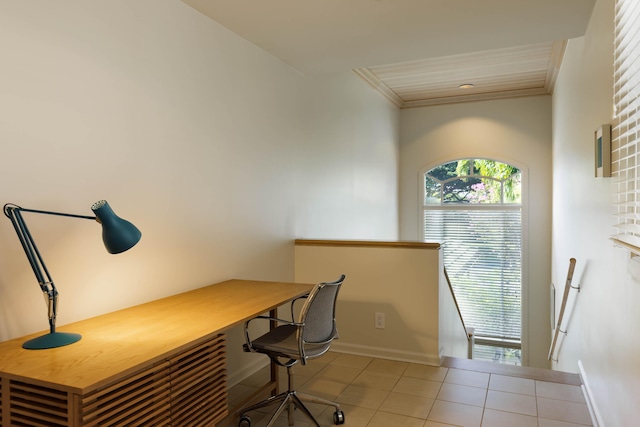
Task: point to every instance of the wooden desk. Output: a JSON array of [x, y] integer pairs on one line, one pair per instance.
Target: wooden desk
[[155, 364]]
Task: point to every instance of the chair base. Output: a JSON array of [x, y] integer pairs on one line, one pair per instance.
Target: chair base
[[290, 400]]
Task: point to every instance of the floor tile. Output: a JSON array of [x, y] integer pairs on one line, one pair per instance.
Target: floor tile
[[512, 384], [355, 416], [390, 367], [376, 380], [282, 422], [322, 413], [259, 377], [239, 392], [328, 357], [404, 404], [352, 361], [543, 422], [418, 387], [559, 391], [341, 374], [456, 414], [430, 423], [322, 388], [563, 410], [363, 397], [376, 392], [493, 418], [426, 372], [511, 402], [308, 370], [259, 419], [462, 394], [470, 378], [384, 419]]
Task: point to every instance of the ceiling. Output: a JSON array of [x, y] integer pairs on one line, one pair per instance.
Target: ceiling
[[415, 52]]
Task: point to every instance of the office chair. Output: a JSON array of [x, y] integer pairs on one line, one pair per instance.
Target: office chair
[[292, 342]]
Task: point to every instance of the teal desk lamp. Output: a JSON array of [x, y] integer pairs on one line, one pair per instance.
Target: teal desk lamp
[[118, 236]]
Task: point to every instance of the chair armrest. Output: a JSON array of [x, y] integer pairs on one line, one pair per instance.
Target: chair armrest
[[247, 338], [293, 303]]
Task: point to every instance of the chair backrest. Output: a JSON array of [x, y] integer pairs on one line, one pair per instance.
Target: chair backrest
[[318, 315]]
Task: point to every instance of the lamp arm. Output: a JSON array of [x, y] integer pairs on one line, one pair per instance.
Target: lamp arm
[[18, 208], [13, 212], [29, 246]]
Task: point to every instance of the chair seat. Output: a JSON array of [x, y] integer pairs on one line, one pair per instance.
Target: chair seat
[[283, 341]]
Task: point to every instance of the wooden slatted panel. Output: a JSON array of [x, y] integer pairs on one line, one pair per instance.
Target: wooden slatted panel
[[141, 399], [199, 380], [36, 406]]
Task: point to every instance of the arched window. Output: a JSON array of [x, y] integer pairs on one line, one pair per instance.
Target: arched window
[[473, 181], [474, 207]]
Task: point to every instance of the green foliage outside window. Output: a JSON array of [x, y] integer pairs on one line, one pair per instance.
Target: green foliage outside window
[[475, 181]]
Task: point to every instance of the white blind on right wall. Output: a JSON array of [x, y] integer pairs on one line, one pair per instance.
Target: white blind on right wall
[[625, 156]]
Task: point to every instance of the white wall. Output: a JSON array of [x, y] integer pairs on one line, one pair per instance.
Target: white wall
[[220, 153], [400, 280], [516, 131], [604, 315]]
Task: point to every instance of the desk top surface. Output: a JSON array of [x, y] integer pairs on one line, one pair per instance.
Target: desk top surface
[[116, 342]]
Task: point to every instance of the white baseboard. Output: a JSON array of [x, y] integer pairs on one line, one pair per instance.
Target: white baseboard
[[359, 350], [386, 353], [594, 412]]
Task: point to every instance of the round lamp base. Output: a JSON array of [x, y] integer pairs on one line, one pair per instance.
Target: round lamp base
[[51, 340]]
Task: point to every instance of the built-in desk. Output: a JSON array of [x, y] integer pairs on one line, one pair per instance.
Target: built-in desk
[[162, 363]]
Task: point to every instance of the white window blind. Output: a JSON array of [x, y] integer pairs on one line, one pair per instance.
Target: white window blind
[[482, 254], [625, 156]]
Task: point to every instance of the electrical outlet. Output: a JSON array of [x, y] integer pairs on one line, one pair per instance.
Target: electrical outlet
[[379, 321]]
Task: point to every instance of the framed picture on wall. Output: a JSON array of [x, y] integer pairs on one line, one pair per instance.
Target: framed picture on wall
[[602, 142]]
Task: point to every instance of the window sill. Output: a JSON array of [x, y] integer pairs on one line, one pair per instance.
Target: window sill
[[623, 242]]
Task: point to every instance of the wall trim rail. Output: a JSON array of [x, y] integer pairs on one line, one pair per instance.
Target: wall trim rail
[[367, 243]]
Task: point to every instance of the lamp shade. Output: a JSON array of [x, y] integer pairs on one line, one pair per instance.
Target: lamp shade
[[118, 235]]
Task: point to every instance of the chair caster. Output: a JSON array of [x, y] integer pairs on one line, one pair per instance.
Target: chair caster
[[338, 417], [245, 421]]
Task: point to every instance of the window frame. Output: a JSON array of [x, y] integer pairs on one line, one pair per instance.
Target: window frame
[[523, 205]]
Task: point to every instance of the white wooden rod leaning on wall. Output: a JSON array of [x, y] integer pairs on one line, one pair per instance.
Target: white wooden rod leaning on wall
[[565, 296]]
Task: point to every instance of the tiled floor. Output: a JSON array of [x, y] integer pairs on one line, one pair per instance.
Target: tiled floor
[[381, 393]]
